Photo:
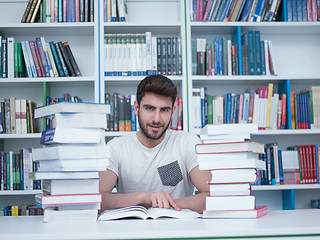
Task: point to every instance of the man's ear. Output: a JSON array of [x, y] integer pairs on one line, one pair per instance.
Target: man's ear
[[136, 108]]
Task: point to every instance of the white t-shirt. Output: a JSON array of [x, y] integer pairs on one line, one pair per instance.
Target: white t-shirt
[[164, 168]]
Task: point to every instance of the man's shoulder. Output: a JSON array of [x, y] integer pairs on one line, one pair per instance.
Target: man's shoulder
[[125, 139], [183, 136]]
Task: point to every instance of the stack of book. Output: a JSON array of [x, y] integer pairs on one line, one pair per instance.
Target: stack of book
[[69, 163], [233, 161]]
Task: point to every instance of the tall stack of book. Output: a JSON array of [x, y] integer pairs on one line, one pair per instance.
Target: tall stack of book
[[233, 161], [69, 163]]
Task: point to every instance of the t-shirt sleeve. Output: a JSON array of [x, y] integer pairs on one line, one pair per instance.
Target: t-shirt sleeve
[[113, 157], [190, 155]]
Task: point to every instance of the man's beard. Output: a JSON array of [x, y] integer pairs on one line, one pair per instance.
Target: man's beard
[[143, 128]]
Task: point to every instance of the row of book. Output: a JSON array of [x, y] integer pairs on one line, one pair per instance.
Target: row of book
[[37, 59], [260, 106], [115, 10], [15, 169], [303, 11], [233, 165], [142, 54], [46, 11], [221, 57], [70, 161], [235, 10], [123, 118], [21, 211], [17, 116], [296, 165]]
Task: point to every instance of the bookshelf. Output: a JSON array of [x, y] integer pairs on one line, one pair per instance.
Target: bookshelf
[[296, 52], [296, 55], [83, 38]]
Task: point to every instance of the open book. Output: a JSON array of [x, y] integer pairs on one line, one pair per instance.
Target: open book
[[144, 213]]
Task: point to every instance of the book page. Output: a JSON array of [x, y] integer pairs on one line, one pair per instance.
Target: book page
[[172, 213]]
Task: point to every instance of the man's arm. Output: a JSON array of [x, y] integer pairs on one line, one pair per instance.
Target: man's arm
[[200, 179], [148, 199]]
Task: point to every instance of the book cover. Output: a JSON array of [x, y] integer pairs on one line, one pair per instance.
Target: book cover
[[229, 189], [67, 199], [73, 186], [257, 212], [244, 175], [230, 203], [222, 129]]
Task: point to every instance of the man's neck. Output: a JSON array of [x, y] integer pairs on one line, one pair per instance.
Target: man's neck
[[147, 142]]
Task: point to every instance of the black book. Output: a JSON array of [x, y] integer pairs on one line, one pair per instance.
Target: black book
[[66, 59], [63, 64], [26, 12], [4, 58], [159, 61], [169, 56], [72, 59], [3, 119], [107, 101], [116, 111]]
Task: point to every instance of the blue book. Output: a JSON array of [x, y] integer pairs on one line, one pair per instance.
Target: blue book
[[299, 10], [246, 11], [43, 57], [56, 59], [304, 10], [259, 9], [133, 115], [263, 60], [257, 52], [284, 88], [294, 10], [240, 10], [202, 97], [289, 10], [245, 111], [280, 167], [228, 107], [236, 40]]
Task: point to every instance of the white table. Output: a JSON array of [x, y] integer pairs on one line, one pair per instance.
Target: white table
[[287, 224]]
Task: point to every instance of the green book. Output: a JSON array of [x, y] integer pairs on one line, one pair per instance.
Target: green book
[[210, 109], [15, 59]]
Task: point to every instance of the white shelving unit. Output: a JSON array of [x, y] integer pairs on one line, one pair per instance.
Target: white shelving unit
[[297, 55]]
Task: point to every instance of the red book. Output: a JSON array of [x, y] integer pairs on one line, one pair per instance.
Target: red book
[[314, 10], [251, 103], [303, 164], [279, 114], [206, 11], [258, 212], [180, 118], [39, 59], [35, 58], [314, 162], [309, 10], [284, 111]]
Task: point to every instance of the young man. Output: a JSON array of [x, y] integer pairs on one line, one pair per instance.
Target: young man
[[155, 167]]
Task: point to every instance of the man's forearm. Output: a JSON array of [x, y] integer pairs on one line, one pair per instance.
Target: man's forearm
[[195, 202], [116, 200]]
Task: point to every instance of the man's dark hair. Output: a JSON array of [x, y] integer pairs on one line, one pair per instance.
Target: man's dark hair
[[157, 84]]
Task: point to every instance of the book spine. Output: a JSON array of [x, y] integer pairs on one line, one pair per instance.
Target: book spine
[[66, 60], [43, 57], [35, 58], [63, 65], [56, 59]]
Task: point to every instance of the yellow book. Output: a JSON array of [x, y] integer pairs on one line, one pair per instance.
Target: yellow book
[[270, 93], [292, 105], [14, 211]]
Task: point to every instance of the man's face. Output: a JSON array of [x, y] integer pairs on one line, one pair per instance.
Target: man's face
[[154, 115]]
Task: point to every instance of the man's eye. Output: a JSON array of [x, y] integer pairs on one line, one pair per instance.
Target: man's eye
[[149, 108], [165, 110]]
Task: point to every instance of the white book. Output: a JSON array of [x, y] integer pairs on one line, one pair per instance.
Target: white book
[[124, 55], [143, 55], [52, 215], [196, 107], [244, 175], [128, 54], [73, 165], [266, 55], [230, 147], [64, 175], [33, 67], [67, 199], [71, 107], [80, 151], [148, 53], [256, 109], [235, 156], [139, 54], [23, 116], [26, 59], [272, 61], [27, 168], [122, 10], [72, 135], [113, 10], [74, 186], [144, 213], [229, 57], [45, 49], [11, 170], [134, 55], [53, 64], [248, 163], [18, 116], [221, 129], [154, 55], [47, 11], [232, 189], [230, 203], [10, 57], [224, 137], [79, 120]]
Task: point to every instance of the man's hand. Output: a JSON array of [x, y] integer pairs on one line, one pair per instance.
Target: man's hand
[[163, 200]]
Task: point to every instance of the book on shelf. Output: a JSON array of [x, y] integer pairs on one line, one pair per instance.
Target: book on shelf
[[245, 146], [47, 200], [77, 151], [141, 212], [257, 212], [73, 186], [244, 175], [230, 203], [229, 189], [47, 11], [72, 135], [63, 175], [71, 107]]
